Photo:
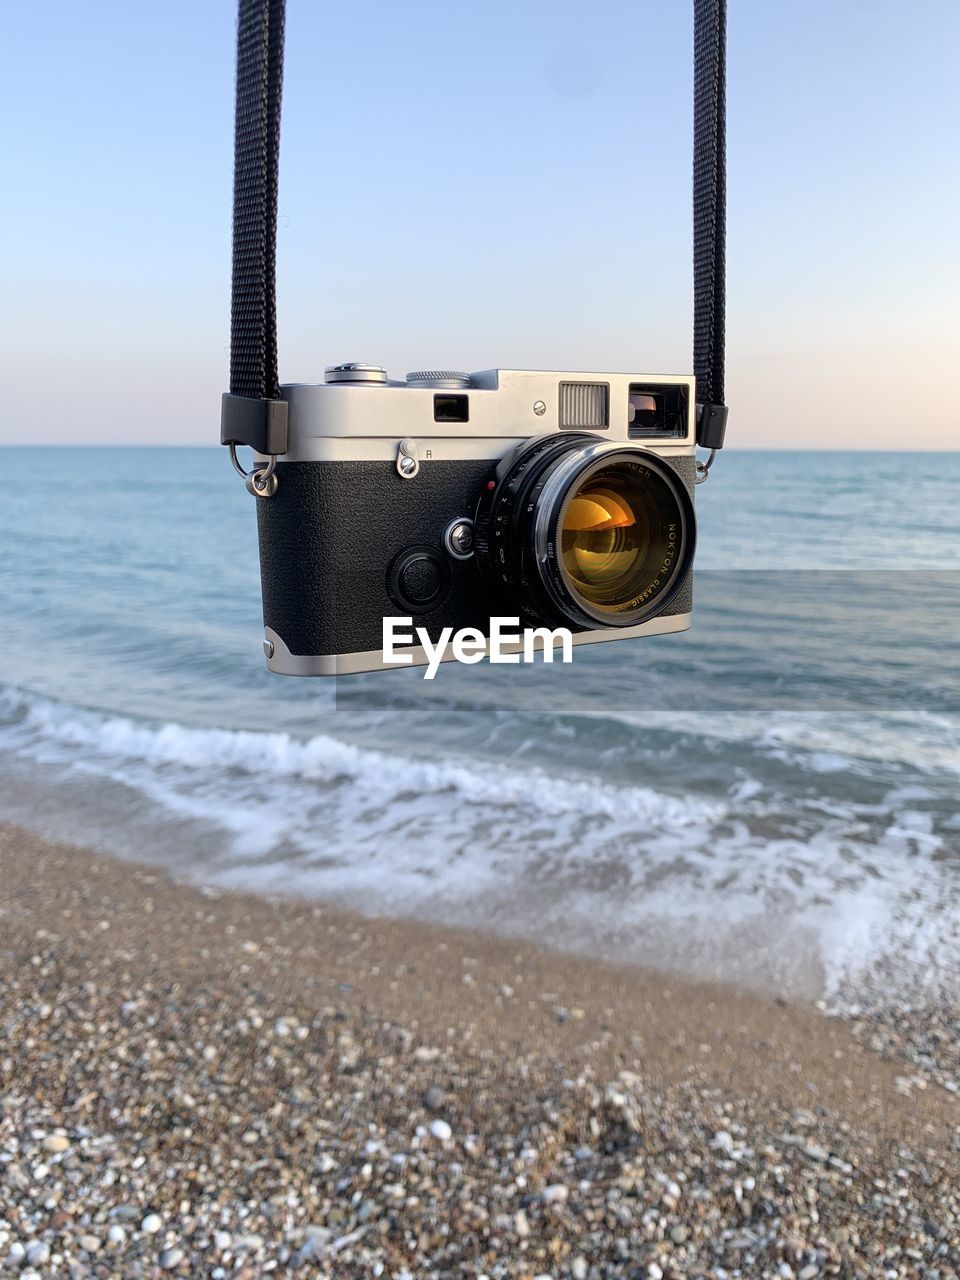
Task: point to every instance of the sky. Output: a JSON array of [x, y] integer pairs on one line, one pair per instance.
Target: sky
[[478, 185]]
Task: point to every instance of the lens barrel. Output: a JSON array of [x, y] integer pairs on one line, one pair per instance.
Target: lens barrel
[[581, 533]]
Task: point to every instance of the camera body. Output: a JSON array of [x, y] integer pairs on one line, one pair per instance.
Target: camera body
[[562, 499]]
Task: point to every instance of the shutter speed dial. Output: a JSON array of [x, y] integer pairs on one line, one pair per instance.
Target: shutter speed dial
[[443, 378]]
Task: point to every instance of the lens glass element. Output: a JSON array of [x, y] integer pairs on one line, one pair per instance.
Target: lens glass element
[[620, 536]]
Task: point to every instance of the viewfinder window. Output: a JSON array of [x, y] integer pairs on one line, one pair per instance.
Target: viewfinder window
[[657, 410], [451, 408]]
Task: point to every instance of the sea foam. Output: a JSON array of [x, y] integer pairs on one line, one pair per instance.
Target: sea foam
[[806, 895]]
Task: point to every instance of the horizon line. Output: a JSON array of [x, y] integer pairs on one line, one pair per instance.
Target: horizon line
[[188, 444]]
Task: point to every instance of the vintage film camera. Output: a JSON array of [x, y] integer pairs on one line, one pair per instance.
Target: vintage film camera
[[563, 499]]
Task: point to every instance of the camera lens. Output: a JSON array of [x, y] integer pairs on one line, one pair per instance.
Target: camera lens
[[583, 533], [618, 533]]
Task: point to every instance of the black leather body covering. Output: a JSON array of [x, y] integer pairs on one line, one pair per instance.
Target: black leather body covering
[[333, 529]]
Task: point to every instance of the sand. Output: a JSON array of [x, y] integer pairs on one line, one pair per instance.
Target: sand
[[262, 1076]]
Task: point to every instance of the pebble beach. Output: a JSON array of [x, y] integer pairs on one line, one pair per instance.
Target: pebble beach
[[197, 1083]]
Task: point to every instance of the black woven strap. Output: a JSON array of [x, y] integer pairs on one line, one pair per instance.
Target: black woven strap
[[709, 213], [253, 332], [253, 321]]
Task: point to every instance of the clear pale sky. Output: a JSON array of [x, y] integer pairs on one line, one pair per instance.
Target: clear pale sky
[[481, 184]]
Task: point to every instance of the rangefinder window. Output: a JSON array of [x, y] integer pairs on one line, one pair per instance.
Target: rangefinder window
[[451, 409], [584, 405], [657, 410]]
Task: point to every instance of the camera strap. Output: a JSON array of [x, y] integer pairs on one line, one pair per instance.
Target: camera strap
[[709, 220], [254, 414]]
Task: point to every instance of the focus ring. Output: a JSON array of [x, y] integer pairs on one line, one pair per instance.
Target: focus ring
[[501, 532]]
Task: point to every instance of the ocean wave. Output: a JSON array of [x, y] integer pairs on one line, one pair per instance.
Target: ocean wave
[[775, 884], [326, 759]]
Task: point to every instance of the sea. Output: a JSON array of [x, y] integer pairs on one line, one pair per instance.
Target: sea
[[771, 799]]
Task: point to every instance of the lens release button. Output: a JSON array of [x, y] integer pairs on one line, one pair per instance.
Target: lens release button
[[458, 538]]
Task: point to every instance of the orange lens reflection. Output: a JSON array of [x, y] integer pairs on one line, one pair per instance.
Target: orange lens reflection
[[615, 537]]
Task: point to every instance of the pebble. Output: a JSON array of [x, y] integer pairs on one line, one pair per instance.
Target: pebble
[[568, 1159], [434, 1098]]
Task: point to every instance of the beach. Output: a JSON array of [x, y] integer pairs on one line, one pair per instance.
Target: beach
[[201, 1082], [646, 967]]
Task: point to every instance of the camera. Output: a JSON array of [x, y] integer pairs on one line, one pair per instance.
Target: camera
[[562, 499]]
